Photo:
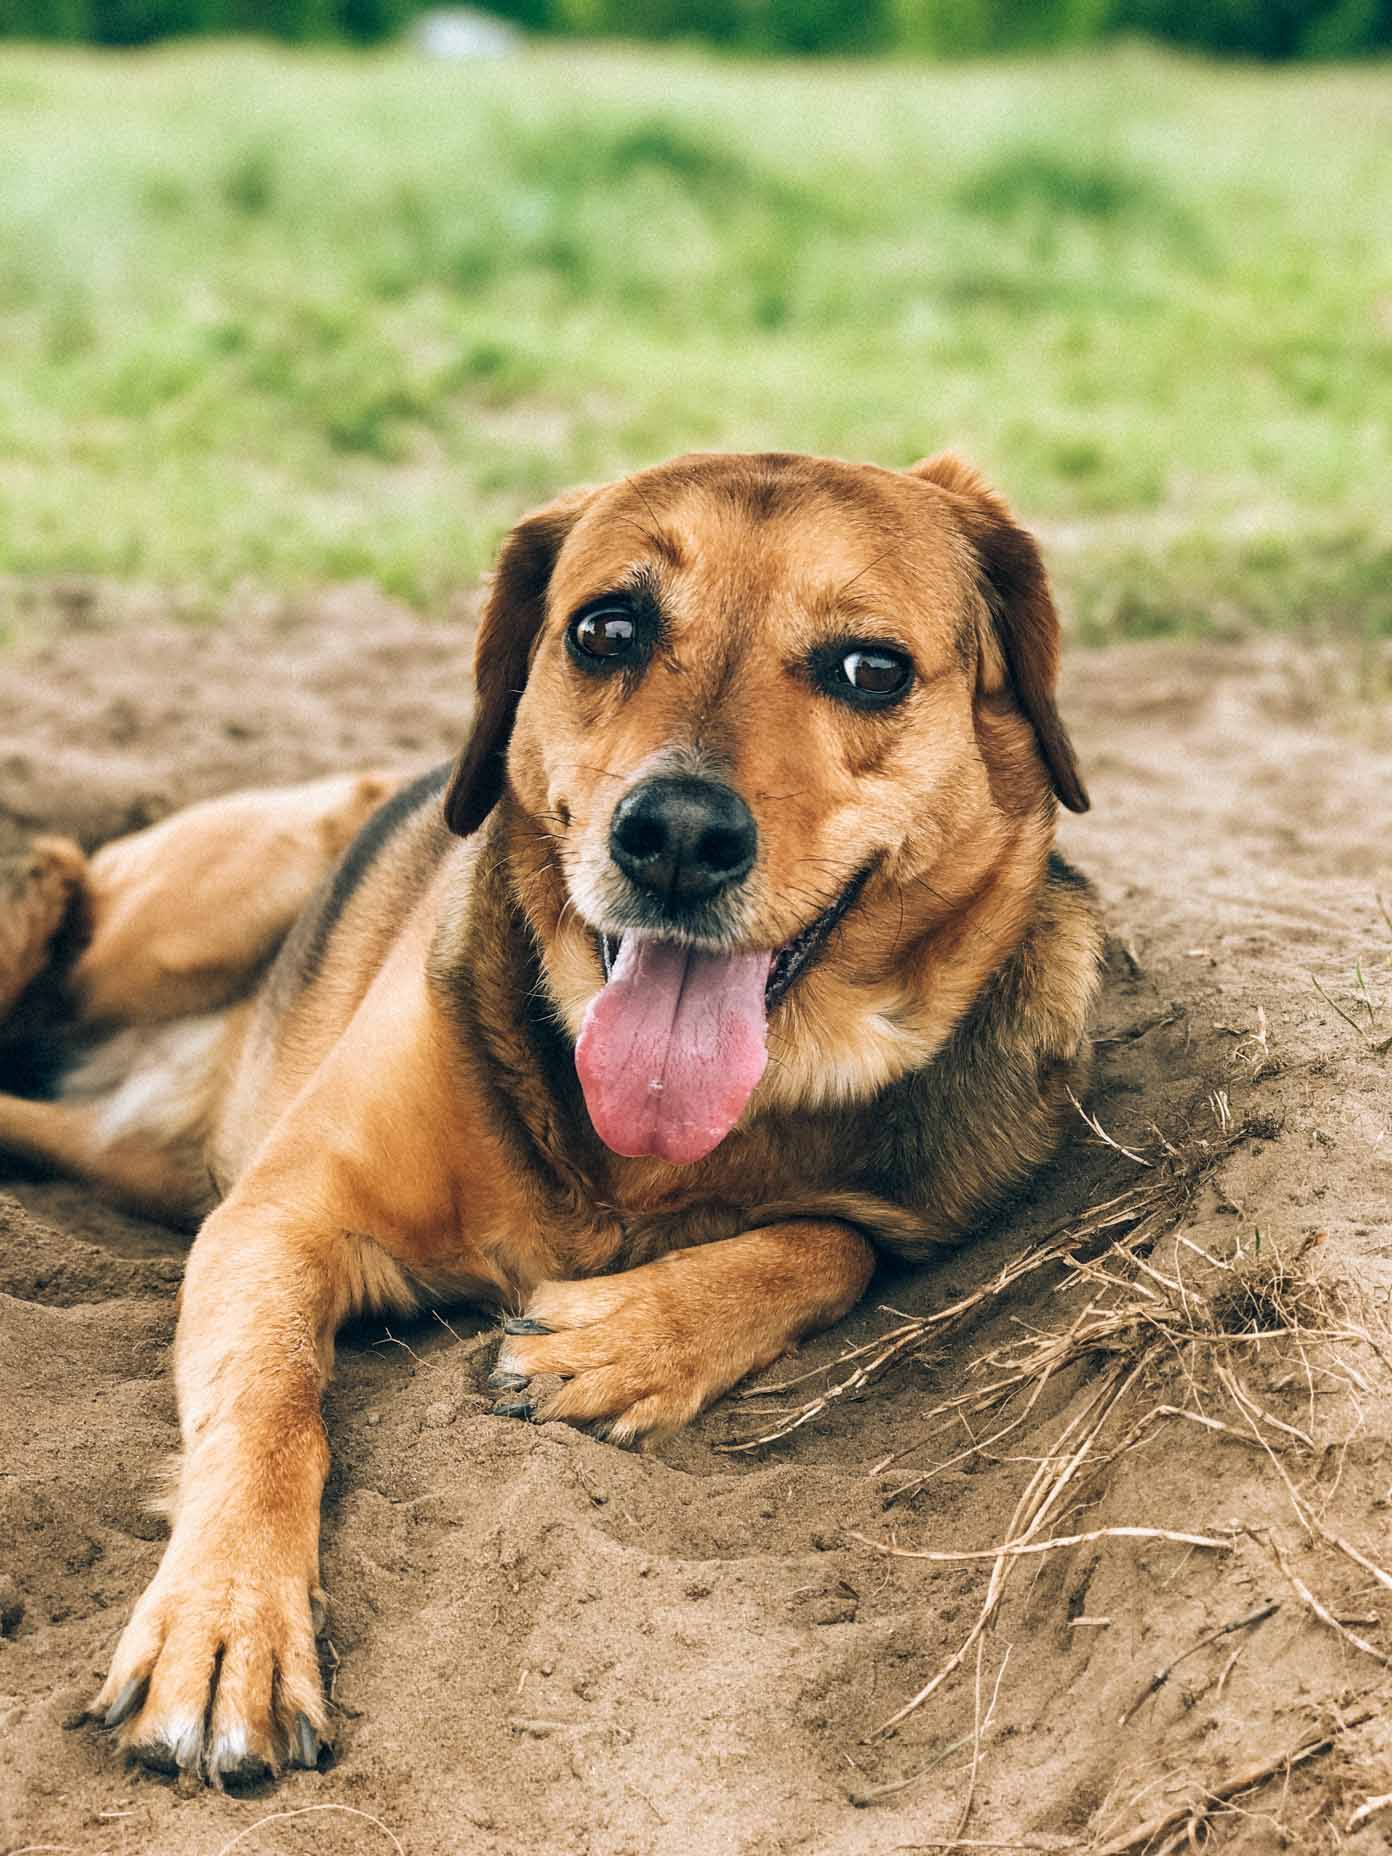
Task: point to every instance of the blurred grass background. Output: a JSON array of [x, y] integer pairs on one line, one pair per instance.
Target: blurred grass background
[[294, 316]]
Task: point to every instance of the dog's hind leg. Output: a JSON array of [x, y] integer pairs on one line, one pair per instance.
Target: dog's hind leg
[[185, 914], [136, 1169], [38, 887]]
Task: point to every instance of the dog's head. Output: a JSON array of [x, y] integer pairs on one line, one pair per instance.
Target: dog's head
[[767, 725]]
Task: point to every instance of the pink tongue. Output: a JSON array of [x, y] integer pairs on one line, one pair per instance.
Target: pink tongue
[[670, 1051]]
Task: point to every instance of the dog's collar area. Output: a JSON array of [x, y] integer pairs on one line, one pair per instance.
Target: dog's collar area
[[790, 960]]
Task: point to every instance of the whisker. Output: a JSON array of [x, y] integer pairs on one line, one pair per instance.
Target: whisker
[[633, 522], [642, 495], [921, 882], [883, 556]]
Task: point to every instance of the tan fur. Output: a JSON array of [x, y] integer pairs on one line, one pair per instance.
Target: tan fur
[[391, 1113], [37, 888], [181, 913]]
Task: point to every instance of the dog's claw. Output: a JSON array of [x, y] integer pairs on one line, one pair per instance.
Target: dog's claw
[[507, 1382], [523, 1324], [127, 1702], [246, 1772], [154, 1758], [513, 1408], [305, 1743]]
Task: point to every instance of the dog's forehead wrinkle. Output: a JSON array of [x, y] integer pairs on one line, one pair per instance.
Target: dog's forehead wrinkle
[[718, 509]]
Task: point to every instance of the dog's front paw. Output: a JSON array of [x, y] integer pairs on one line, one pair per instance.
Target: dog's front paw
[[637, 1352], [217, 1674]]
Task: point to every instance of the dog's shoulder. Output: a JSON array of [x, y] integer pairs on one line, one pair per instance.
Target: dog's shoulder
[[366, 894]]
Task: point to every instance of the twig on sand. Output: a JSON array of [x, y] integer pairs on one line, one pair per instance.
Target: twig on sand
[[980, 1729], [970, 1798], [281, 1817], [1140, 1212], [1103, 1135], [1360, 1559], [1041, 1498], [1010, 1548], [390, 1340], [1378, 1046], [1312, 1604], [1155, 1023], [1334, 1006], [1162, 1676], [1369, 1808], [986, 1843], [872, 1794], [1182, 1816]]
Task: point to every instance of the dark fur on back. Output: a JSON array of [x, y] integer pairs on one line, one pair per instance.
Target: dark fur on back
[[316, 926]]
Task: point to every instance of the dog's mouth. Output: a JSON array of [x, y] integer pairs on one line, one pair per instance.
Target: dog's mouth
[[673, 1046]]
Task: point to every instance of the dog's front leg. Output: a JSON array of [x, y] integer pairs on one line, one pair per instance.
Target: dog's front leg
[[217, 1671], [644, 1351]]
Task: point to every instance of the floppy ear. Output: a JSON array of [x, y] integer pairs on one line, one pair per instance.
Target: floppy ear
[[1024, 624], [512, 619]]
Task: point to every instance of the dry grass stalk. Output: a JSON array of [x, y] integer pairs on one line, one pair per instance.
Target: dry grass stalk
[[1136, 1323], [1013, 1548], [1378, 1045], [1369, 1808], [1189, 1818], [309, 1810], [1162, 1676], [980, 1729], [872, 1794], [1030, 1846], [1103, 1135], [1143, 1212], [1359, 1559], [1041, 1498], [1313, 1604]]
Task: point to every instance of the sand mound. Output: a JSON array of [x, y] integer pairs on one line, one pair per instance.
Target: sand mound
[[542, 1644]]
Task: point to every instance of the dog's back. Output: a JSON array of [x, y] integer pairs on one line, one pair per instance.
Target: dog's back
[[327, 961]]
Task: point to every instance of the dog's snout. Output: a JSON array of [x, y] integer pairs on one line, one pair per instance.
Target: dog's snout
[[683, 839]]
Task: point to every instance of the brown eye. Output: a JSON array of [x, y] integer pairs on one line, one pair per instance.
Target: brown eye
[[875, 673], [606, 635], [866, 676], [875, 676]]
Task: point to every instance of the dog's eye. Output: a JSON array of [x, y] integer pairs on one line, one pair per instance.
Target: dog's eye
[[868, 676], [875, 673], [607, 634]]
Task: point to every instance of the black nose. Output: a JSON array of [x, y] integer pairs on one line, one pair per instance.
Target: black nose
[[683, 839]]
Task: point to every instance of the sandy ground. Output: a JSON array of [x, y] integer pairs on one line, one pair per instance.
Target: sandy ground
[[545, 1646]]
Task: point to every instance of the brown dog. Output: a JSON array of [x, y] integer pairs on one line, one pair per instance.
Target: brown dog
[[754, 956]]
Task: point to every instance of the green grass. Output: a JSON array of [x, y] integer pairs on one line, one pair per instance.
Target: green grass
[[300, 317]]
